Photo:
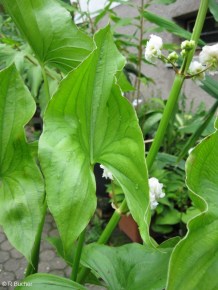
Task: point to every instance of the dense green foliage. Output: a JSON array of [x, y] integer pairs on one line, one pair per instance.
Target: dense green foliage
[[78, 83]]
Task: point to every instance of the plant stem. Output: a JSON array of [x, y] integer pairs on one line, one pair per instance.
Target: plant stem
[[76, 262], [31, 59], [105, 236], [199, 23], [140, 50], [33, 266], [90, 19], [171, 103], [112, 223], [46, 85]]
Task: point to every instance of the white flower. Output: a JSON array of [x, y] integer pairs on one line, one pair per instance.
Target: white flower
[[136, 102], [155, 191], [197, 68], [209, 56], [153, 48], [106, 173]]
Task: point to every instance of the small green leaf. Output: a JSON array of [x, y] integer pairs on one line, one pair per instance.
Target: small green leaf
[[128, 267], [87, 122], [8, 56], [163, 229], [50, 31], [34, 76], [48, 282], [170, 216], [189, 214], [193, 264], [21, 183], [151, 121]]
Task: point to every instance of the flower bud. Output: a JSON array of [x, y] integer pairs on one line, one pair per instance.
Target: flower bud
[[173, 57], [188, 45], [183, 53]]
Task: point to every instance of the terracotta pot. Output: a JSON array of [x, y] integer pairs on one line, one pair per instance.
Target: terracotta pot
[[130, 228]]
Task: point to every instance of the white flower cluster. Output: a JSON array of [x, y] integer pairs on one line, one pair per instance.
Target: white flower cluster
[[155, 187], [153, 48], [106, 173], [196, 68], [155, 191], [208, 58]]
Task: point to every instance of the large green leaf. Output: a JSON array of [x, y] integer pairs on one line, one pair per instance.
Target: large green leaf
[[21, 184], [128, 267], [194, 262], [50, 31], [48, 282], [87, 122], [168, 25], [213, 6]]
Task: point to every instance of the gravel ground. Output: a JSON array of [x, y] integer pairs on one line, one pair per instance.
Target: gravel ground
[[12, 263]]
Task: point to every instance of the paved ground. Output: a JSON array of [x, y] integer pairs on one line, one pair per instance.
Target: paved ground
[[12, 264]]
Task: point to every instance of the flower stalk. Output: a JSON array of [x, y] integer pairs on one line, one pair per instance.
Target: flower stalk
[[76, 262], [196, 33], [32, 267]]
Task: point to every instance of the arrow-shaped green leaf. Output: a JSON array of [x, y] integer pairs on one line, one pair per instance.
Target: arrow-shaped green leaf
[[21, 184], [194, 262], [49, 29], [88, 122], [129, 267]]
